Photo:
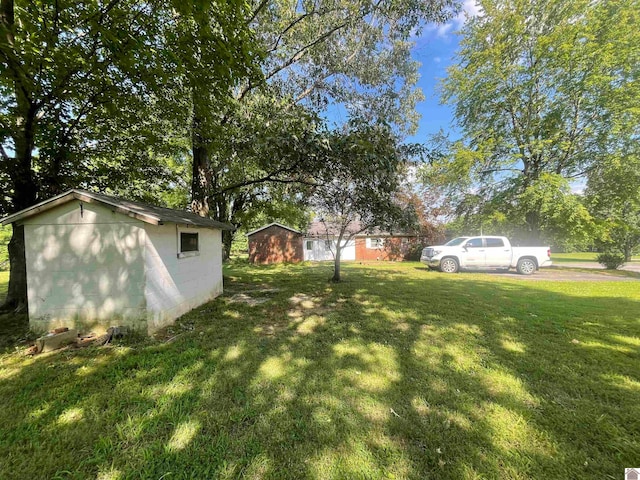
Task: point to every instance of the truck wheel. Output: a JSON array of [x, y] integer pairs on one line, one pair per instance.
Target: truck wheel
[[526, 266], [449, 265]]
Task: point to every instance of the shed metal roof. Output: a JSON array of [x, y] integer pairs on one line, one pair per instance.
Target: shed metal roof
[[141, 211]]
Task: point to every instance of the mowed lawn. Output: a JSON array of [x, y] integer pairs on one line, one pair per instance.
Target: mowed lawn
[[581, 257], [397, 372], [4, 283]]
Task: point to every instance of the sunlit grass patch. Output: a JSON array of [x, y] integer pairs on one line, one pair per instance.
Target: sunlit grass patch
[[397, 372]]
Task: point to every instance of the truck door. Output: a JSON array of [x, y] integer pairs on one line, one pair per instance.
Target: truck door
[[473, 253], [498, 255]]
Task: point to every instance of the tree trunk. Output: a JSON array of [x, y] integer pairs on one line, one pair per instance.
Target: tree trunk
[[25, 190], [227, 240], [532, 220], [201, 178], [16, 300], [336, 264]]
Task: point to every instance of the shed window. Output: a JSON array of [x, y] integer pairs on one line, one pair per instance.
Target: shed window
[[309, 244], [327, 244], [188, 242]]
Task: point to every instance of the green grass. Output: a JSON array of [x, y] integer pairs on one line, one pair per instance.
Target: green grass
[[580, 257], [4, 282], [397, 372]]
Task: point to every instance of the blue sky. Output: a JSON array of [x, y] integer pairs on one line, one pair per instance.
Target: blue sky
[[435, 49]]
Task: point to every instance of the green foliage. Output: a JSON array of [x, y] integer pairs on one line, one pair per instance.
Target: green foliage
[[613, 197], [538, 91], [611, 260], [357, 189], [5, 236], [354, 56]]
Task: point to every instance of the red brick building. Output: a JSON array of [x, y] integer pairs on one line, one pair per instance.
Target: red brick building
[[275, 243], [385, 247]]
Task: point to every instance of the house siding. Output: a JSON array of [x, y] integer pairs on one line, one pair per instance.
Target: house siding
[[177, 285], [394, 248], [85, 268], [275, 245], [319, 251]]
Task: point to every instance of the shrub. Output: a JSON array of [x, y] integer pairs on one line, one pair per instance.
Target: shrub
[[610, 260]]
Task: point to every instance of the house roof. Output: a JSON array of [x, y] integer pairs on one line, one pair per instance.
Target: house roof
[[141, 211], [319, 229], [273, 224]]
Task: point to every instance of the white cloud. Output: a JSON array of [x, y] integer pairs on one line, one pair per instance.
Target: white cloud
[[469, 9], [437, 59]]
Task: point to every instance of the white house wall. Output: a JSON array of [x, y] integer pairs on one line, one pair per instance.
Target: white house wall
[[177, 285], [321, 252], [85, 267]]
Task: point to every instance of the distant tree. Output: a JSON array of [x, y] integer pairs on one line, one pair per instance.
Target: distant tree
[[613, 198], [356, 191], [536, 87]]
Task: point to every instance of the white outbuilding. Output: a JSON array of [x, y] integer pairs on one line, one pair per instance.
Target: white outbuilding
[[95, 261]]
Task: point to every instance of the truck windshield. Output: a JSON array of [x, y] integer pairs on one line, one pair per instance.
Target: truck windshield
[[456, 241]]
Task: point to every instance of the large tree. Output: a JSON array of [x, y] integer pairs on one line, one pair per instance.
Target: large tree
[[81, 86], [348, 57], [357, 191], [535, 88]]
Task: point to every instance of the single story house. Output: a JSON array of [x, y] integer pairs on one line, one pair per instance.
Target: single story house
[[318, 243], [275, 243], [95, 261]]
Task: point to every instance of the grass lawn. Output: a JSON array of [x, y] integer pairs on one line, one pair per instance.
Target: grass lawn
[[4, 282], [397, 372], [580, 257]]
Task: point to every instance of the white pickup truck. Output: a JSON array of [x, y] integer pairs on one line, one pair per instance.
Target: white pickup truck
[[485, 253]]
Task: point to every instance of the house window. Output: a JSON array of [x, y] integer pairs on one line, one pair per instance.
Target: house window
[[189, 244], [309, 244], [327, 244], [375, 243]]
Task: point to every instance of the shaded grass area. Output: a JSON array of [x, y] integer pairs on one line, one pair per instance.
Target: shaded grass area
[[581, 257], [13, 328], [4, 283], [397, 372]]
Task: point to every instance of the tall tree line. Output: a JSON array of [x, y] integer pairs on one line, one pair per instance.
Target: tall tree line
[[543, 93]]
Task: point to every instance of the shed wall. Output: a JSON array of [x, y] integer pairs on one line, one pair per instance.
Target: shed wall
[[177, 285], [275, 245], [85, 268]]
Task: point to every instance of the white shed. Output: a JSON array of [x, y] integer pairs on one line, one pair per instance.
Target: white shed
[[95, 261]]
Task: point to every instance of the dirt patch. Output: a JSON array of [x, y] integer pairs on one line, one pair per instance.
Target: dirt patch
[[247, 299]]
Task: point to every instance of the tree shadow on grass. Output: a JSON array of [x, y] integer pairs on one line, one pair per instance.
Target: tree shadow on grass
[[385, 375]]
